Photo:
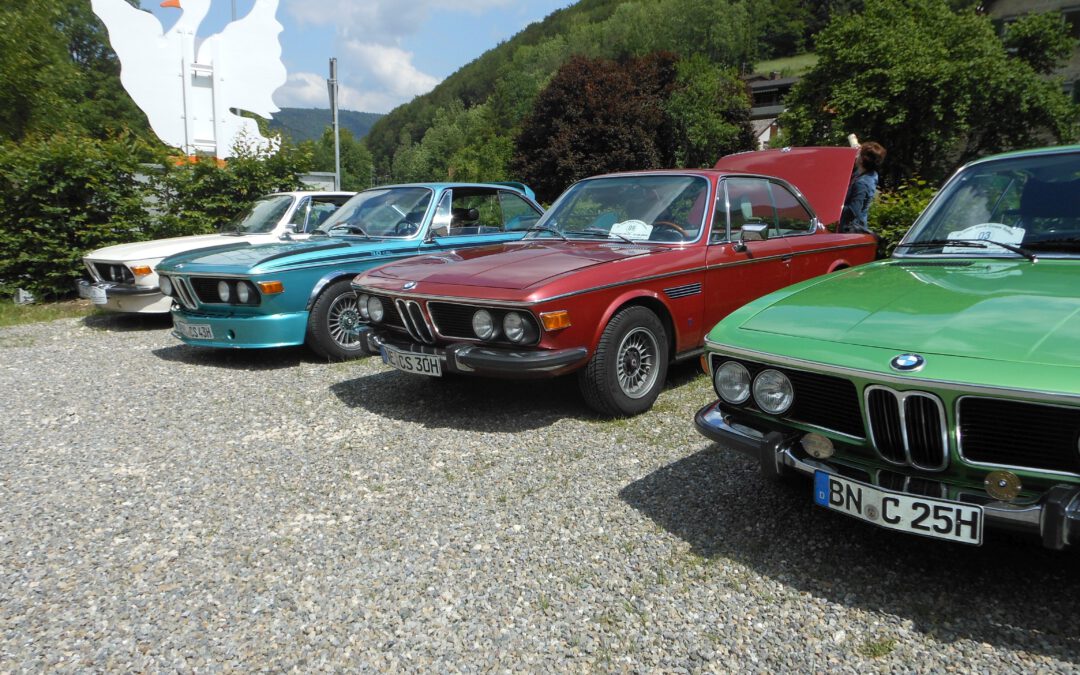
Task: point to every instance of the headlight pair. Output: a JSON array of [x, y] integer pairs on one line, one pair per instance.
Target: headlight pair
[[771, 389], [244, 292], [371, 308], [517, 327]]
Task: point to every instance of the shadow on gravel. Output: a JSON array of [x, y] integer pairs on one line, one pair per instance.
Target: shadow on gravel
[[125, 323], [476, 403], [1009, 592], [236, 359]]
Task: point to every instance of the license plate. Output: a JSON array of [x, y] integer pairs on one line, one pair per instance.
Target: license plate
[[421, 364], [929, 517], [196, 331], [97, 295]]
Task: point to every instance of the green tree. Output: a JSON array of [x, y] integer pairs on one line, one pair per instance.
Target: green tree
[[710, 108], [356, 166], [935, 86], [1039, 40]]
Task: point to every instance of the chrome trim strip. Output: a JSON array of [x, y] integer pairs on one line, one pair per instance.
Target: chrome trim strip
[[960, 440], [684, 291], [901, 403], [828, 369], [185, 293]]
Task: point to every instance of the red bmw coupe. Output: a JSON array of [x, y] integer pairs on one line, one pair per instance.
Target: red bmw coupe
[[625, 274]]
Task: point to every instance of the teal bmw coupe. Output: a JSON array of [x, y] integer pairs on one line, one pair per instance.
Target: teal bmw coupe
[[297, 292]]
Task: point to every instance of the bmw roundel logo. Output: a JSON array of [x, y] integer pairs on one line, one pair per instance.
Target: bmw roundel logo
[[907, 363], [409, 285]]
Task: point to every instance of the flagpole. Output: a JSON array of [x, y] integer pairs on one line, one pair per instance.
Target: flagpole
[[332, 85]]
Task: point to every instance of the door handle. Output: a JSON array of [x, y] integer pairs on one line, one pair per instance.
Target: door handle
[[786, 259]]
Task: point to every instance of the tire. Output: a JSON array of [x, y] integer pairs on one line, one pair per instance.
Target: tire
[[333, 313], [629, 368]]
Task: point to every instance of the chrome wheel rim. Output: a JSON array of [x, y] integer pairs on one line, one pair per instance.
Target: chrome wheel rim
[[342, 320], [635, 362]]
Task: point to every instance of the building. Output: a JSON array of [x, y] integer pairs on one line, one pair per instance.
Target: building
[[1004, 11]]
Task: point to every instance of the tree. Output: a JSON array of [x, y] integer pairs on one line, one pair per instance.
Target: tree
[[597, 116], [356, 170], [935, 86], [710, 108]]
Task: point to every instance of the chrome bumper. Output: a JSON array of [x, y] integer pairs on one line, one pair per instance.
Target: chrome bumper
[[1055, 517], [473, 359]]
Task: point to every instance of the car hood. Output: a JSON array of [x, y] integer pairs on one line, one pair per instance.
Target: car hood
[[998, 310], [517, 265], [822, 175], [161, 248], [276, 256]]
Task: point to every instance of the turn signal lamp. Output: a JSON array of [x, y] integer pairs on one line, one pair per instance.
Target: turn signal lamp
[[555, 320], [1002, 485], [271, 287], [141, 270]]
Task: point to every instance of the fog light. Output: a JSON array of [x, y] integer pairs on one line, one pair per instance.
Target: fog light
[[818, 446], [1002, 485]]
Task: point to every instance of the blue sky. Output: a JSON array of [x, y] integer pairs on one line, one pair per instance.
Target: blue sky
[[388, 51]]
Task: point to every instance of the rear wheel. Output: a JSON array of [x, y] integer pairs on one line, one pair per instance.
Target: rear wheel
[[629, 368], [332, 325]]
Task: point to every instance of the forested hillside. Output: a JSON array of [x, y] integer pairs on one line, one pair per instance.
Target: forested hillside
[[308, 124]]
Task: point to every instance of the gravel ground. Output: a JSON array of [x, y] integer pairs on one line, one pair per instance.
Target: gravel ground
[[163, 507]]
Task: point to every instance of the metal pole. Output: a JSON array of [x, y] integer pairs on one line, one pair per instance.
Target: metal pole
[[234, 10], [332, 85]]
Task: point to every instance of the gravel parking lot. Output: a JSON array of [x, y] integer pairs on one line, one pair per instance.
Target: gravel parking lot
[[171, 508]]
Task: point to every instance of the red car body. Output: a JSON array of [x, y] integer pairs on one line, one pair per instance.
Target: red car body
[[615, 306]]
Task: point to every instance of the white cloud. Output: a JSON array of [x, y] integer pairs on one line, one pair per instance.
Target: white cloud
[[381, 21]]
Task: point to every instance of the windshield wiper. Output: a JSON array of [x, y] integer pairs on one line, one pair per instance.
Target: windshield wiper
[[545, 228], [608, 234], [970, 243]]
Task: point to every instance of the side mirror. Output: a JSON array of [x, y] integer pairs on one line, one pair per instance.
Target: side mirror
[[755, 232]]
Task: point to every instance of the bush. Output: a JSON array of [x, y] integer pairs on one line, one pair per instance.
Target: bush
[[60, 197], [893, 212]]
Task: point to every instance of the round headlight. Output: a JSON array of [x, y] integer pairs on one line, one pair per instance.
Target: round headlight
[[166, 285], [732, 382], [223, 291], [375, 309], [773, 392], [484, 325], [362, 306], [516, 327], [243, 292]]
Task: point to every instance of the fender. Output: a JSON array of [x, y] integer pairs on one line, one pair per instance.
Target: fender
[[838, 265], [625, 298], [322, 283]]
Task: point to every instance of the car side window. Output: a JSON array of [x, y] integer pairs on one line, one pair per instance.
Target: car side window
[[475, 211], [300, 215], [750, 203], [791, 215], [517, 214]]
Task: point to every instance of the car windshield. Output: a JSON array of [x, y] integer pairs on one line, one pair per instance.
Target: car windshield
[[1021, 206], [261, 217], [382, 212], [635, 208]]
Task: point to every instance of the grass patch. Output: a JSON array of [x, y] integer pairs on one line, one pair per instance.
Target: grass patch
[[875, 649], [19, 315], [788, 66]]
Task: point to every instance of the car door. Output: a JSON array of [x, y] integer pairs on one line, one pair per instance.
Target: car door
[[747, 257]]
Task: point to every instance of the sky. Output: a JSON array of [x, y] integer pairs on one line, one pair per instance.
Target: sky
[[388, 51]]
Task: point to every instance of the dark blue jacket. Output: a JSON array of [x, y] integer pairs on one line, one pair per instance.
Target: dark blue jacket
[[857, 203]]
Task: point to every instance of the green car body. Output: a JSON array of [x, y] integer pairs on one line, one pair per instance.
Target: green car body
[[944, 381]]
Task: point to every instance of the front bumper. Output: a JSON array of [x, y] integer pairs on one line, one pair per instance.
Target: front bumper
[[124, 297], [477, 359], [243, 331], [1054, 517]]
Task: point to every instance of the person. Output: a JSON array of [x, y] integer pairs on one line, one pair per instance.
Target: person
[[862, 188]]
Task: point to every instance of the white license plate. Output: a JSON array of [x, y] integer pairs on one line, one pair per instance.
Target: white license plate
[[929, 517], [421, 364], [196, 331], [97, 295]]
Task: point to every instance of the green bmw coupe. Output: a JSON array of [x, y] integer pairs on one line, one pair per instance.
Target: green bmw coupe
[[937, 392]]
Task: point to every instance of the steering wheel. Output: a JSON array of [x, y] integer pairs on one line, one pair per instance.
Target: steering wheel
[[404, 228], [671, 225]]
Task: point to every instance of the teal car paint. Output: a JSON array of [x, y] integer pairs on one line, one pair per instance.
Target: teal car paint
[[938, 392], [297, 292]]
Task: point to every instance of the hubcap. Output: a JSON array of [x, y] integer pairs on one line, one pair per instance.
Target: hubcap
[[636, 362], [343, 320]]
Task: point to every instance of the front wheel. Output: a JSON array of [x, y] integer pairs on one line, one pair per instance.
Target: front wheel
[[629, 368], [332, 325]]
